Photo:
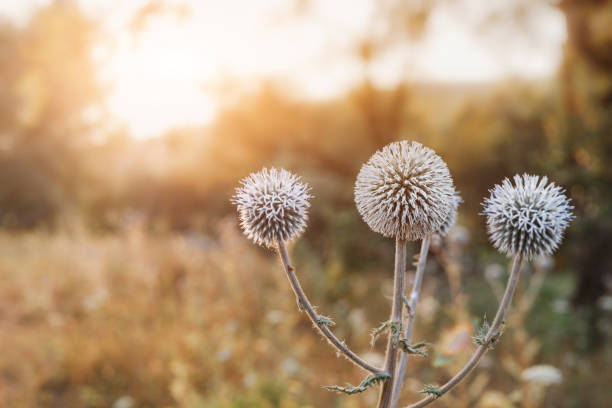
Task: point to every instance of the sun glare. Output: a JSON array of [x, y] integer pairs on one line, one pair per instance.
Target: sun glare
[[161, 76], [157, 80]]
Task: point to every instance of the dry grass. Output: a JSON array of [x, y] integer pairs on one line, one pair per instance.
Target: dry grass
[[141, 320], [168, 321]]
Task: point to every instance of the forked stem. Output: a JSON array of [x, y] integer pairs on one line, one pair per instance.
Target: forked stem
[[316, 319], [412, 304], [492, 334], [386, 390]]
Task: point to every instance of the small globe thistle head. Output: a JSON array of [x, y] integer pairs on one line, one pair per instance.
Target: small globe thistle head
[[404, 191], [451, 219], [527, 218], [272, 206]]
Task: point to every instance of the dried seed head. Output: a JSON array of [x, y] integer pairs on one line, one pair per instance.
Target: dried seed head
[[273, 206], [527, 219], [451, 219], [405, 190]]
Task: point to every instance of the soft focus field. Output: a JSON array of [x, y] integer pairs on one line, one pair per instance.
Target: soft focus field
[[124, 279], [132, 319]]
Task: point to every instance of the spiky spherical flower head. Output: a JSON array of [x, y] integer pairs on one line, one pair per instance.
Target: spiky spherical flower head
[[527, 218], [451, 219], [273, 206], [404, 191]]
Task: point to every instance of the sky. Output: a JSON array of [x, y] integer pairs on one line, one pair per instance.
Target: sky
[[171, 73]]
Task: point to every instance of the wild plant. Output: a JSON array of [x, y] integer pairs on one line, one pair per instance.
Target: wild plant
[[405, 191]]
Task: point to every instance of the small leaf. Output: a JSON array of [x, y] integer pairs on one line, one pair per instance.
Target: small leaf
[[377, 331], [396, 331], [407, 304], [481, 335], [369, 381], [431, 390], [325, 321], [418, 348]]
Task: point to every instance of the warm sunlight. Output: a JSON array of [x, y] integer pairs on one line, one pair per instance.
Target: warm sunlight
[[189, 187], [158, 79], [162, 75]]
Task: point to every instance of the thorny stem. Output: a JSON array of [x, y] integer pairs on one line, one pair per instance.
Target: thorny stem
[[491, 335], [384, 400], [412, 303], [315, 318]]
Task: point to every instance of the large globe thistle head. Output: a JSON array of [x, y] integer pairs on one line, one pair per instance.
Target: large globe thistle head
[[527, 218], [404, 191], [273, 206], [451, 219]]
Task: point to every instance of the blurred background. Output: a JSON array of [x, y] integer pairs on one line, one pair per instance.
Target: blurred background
[[125, 126]]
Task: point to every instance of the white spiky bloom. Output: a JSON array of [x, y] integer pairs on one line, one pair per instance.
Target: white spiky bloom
[[405, 190], [527, 218], [273, 206], [451, 219]]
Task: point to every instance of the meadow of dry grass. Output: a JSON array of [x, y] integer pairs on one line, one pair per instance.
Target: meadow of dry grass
[[136, 319], [126, 283], [92, 321]]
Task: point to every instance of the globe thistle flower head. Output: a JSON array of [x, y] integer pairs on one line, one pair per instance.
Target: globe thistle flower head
[[272, 206], [451, 219], [405, 191], [527, 218]]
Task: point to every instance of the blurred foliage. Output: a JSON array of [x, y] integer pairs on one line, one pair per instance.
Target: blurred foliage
[[118, 280]]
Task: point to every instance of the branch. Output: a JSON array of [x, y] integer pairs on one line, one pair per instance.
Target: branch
[[412, 303], [386, 391], [321, 322], [492, 336]]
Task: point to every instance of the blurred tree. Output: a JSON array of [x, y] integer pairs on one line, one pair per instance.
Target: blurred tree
[[393, 25], [154, 8], [10, 67], [52, 100], [563, 131], [567, 137], [583, 145]]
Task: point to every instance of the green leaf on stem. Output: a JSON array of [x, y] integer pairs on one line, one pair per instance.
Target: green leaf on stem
[[376, 332], [418, 348], [431, 390], [325, 321], [396, 331], [369, 381], [480, 338]]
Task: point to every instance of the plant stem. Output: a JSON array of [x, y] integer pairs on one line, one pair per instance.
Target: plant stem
[[316, 319], [384, 400], [413, 300], [491, 334], [531, 294]]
